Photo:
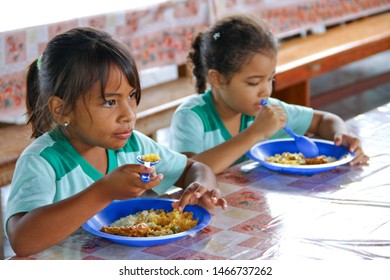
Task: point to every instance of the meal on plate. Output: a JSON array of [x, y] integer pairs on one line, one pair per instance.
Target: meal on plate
[[149, 223], [299, 159], [150, 158]]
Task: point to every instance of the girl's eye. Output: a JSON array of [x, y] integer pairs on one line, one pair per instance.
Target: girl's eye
[[109, 103], [132, 95], [253, 84], [272, 79]]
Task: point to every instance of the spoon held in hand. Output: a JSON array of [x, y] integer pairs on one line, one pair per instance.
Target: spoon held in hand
[[304, 144]]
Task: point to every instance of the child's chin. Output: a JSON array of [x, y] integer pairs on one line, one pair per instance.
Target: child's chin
[[117, 146]]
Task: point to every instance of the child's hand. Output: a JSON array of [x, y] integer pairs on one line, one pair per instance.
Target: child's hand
[[354, 145], [269, 120], [125, 181], [198, 194]]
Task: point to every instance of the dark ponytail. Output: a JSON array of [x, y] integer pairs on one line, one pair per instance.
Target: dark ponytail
[[38, 116], [32, 89], [195, 59]]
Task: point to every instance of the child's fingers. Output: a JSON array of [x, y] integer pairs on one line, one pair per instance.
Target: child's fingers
[[223, 203], [352, 143], [153, 182], [360, 158], [213, 200], [175, 204], [191, 193], [215, 194], [338, 140], [137, 168], [207, 203], [133, 176], [197, 193], [355, 145], [184, 200]]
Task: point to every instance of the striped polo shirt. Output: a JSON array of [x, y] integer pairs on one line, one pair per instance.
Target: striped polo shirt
[[50, 169], [196, 125]]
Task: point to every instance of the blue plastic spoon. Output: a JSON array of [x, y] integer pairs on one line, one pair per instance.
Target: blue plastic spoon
[[145, 177], [304, 144]]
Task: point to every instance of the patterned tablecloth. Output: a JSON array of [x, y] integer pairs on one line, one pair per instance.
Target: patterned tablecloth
[[161, 34], [340, 214]]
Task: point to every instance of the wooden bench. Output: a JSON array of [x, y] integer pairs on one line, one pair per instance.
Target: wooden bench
[[302, 59], [13, 140], [158, 103]]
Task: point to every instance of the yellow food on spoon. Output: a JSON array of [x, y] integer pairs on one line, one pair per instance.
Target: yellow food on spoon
[[150, 158]]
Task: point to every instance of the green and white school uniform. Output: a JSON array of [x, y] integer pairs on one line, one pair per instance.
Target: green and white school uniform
[[50, 170], [197, 127]]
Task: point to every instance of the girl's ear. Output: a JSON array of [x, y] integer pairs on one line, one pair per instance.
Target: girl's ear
[[215, 78], [56, 107]]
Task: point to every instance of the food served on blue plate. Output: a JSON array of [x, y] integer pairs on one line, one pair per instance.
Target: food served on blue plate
[[123, 208], [152, 223], [299, 159], [334, 155]]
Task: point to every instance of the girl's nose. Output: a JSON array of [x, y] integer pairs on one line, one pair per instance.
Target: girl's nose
[[270, 87], [265, 92], [127, 113]]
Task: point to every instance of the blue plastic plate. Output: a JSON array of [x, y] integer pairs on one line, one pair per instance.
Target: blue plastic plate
[[122, 208], [262, 150]]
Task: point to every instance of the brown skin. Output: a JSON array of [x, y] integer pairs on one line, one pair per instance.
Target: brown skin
[[242, 95], [94, 126], [331, 127]]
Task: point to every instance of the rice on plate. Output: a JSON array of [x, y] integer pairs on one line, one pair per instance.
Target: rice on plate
[[152, 223]]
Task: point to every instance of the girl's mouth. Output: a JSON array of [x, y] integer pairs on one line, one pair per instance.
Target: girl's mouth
[[123, 135]]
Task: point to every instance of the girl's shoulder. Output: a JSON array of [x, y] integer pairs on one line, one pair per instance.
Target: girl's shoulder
[[38, 156], [193, 102], [39, 144], [289, 107]]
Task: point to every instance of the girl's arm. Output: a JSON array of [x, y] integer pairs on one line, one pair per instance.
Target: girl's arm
[[327, 125], [220, 157], [331, 127], [43, 227], [200, 187], [268, 121]]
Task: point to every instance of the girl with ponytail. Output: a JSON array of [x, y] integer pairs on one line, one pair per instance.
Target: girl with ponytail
[[233, 63]]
